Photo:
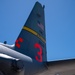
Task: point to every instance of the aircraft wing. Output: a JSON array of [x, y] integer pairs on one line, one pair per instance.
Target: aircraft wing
[[11, 67], [63, 67]]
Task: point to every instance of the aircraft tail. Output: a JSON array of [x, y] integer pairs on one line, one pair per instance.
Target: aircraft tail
[[32, 40]]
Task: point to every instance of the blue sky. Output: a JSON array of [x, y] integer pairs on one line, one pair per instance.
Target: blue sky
[[59, 21]]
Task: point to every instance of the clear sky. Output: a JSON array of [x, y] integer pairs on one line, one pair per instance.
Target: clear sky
[[59, 21]]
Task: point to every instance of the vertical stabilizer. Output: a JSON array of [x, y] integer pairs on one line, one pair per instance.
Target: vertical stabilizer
[[32, 40]]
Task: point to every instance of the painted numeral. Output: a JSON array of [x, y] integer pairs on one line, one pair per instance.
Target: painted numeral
[[39, 53], [18, 41]]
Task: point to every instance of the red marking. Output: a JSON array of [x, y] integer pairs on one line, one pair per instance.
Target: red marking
[[20, 39], [17, 43], [39, 53]]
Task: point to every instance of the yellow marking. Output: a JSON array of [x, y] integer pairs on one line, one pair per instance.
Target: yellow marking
[[30, 30], [35, 33]]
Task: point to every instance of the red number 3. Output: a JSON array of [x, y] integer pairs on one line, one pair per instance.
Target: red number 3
[[39, 53]]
